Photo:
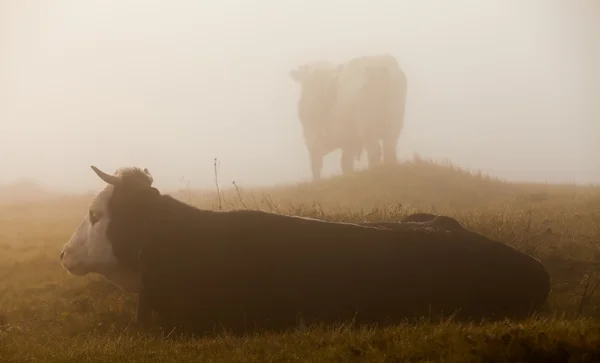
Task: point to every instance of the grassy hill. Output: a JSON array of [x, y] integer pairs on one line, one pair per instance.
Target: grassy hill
[[24, 191], [47, 315]]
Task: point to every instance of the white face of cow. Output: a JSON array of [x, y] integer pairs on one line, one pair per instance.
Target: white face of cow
[[89, 249]]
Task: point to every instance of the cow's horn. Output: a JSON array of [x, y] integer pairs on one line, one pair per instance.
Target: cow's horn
[[110, 179]]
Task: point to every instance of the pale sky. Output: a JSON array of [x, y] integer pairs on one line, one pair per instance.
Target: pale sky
[[508, 87]]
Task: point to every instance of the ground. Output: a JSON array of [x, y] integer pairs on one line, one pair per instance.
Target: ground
[[48, 315]]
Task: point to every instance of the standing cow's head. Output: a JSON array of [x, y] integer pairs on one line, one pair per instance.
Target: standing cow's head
[[106, 240], [318, 92]]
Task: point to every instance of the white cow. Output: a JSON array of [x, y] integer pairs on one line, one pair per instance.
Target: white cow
[[351, 106]]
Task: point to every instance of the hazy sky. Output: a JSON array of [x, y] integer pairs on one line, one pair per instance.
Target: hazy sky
[[509, 87]]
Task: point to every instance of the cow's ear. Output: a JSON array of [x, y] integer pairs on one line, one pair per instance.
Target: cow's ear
[[150, 178], [154, 192], [297, 75]]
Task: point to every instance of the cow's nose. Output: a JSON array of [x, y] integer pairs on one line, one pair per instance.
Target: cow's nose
[[62, 253]]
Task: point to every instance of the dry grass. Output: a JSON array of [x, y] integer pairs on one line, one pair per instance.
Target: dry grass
[[47, 315]]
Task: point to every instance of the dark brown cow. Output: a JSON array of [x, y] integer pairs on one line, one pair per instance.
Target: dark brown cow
[[203, 270]]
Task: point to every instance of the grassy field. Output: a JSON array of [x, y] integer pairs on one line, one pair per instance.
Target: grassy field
[[48, 315]]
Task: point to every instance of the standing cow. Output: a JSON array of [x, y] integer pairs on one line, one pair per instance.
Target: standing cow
[[318, 95], [242, 270], [352, 106]]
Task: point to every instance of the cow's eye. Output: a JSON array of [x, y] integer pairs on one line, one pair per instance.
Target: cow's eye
[[94, 217]]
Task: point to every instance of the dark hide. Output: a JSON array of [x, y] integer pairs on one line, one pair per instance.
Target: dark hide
[[240, 270], [423, 220]]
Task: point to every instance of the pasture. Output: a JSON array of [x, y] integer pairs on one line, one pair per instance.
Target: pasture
[[48, 315]]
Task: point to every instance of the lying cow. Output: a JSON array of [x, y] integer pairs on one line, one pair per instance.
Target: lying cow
[[240, 270]]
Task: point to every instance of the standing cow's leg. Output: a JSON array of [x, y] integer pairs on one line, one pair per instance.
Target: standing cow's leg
[[390, 155], [316, 163], [351, 145], [347, 160], [367, 132], [390, 137], [374, 152], [351, 150]]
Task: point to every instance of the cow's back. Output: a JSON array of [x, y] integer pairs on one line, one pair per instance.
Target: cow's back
[[380, 108]]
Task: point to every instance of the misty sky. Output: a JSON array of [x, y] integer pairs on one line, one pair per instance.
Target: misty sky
[[508, 87]]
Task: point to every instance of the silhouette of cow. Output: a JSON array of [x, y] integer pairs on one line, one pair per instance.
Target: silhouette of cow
[[353, 106]]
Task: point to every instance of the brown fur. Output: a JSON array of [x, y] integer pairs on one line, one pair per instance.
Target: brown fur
[[242, 270]]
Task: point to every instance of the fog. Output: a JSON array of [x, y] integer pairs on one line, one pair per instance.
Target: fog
[[511, 88]]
